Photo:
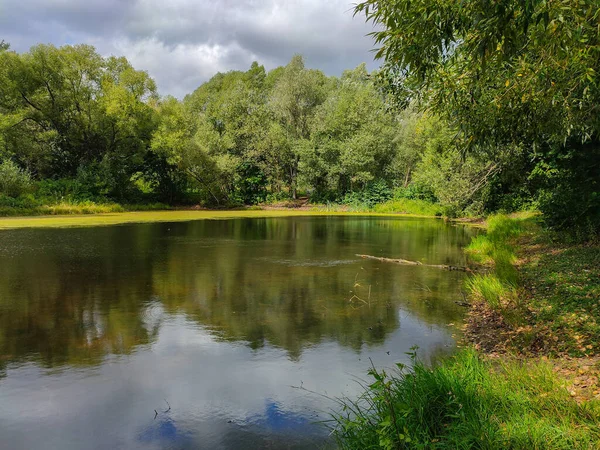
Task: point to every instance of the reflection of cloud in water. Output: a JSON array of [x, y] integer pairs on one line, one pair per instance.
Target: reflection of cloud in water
[[98, 326], [276, 419], [163, 431]]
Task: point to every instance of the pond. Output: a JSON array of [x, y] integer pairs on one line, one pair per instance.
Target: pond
[[199, 334]]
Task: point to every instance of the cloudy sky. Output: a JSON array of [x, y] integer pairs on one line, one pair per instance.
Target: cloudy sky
[[182, 43]]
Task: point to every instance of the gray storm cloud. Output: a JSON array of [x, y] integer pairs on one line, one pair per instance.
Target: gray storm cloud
[[182, 43]]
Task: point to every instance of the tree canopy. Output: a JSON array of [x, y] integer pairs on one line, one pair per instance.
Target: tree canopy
[[477, 107], [506, 75]]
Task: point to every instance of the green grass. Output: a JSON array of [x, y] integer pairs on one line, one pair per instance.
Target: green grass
[[403, 206], [471, 401], [562, 284], [464, 403], [554, 296], [491, 289], [496, 249], [409, 206], [33, 208]]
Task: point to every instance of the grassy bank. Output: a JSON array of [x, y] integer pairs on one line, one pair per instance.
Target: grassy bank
[[398, 206], [15, 213], [80, 208], [546, 301], [530, 379], [29, 206]]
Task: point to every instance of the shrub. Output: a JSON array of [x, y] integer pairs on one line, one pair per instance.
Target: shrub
[[373, 194], [64, 189], [274, 197], [415, 191], [14, 181]]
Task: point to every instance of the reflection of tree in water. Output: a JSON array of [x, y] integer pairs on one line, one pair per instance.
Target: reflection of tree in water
[[71, 297], [74, 296]]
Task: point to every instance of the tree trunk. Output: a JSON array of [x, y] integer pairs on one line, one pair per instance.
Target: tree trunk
[[406, 178]]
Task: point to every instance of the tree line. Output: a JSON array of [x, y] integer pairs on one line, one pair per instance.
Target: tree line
[[76, 126]]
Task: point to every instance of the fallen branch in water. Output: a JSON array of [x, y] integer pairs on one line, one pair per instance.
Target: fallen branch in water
[[406, 262]]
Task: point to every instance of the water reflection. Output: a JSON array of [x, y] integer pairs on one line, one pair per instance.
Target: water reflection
[[98, 326]]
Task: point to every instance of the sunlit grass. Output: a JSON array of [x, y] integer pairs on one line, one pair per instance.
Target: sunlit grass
[[76, 208], [496, 249], [409, 206], [488, 288]]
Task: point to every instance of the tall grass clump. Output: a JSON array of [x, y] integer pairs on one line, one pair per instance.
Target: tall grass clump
[[496, 249], [465, 403]]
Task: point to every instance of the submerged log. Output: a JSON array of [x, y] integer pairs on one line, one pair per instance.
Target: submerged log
[[406, 262]]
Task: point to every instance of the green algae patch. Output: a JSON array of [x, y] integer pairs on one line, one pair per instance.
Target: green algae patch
[[92, 220]]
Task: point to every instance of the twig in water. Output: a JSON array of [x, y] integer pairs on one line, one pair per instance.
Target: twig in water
[[155, 414], [167, 405], [406, 262]]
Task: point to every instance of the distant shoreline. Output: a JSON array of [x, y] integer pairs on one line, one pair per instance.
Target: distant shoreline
[[174, 215]]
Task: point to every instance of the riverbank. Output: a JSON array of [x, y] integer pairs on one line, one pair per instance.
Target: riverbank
[[529, 377], [92, 214], [551, 311], [28, 208]]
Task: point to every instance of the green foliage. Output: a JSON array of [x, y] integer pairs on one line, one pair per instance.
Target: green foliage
[[570, 192], [275, 197], [65, 189], [14, 181], [373, 194], [466, 402], [293, 101], [457, 182], [66, 110], [506, 76], [352, 140], [93, 129], [252, 185], [537, 56], [415, 191]]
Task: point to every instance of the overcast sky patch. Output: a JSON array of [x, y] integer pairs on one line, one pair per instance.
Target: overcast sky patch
[[183, 43]]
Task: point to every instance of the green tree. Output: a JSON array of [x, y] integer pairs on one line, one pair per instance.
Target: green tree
[[352, 136], [64, 110], [175, 139], [294, 99], [506, 74]]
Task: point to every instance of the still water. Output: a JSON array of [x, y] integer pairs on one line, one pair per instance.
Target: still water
[[197, 334]]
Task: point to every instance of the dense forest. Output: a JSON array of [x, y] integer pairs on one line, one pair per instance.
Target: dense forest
[[79, 127]]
